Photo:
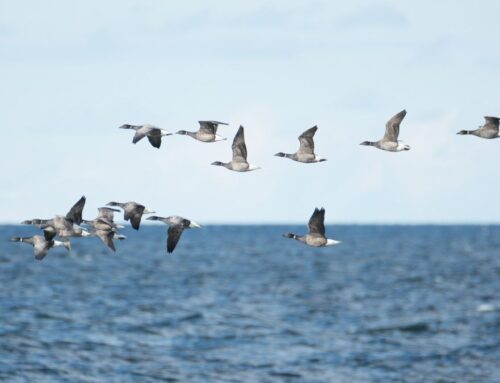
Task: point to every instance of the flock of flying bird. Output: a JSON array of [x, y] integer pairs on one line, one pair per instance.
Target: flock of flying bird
[[104, 227]]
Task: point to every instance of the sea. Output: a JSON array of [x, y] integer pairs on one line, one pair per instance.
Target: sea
[[243, 304]]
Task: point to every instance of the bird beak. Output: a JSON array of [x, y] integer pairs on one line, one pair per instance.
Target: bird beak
[[194, 224]]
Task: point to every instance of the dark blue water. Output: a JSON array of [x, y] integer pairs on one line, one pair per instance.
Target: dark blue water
[[242, 304]]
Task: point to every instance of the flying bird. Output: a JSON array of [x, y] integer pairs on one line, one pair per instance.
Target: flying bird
[[104, 226], [105, 219], [488, 130], [61, 226], [153, 133], [239, 162], [390, 140], [176, 227], [132, 211], [42, 244], [206, 133], [74, 215], [316, 236], [305, 153]]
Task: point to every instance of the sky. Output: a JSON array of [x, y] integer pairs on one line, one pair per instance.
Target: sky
[[72, 72]]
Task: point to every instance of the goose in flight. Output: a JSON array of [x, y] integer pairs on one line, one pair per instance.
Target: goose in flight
[[153, 133], [105, 219], [176, 227], [239, 162], [206, 133], [390, 140], [61, 226], [104, 226], [306, 150], [132, 211], [73, 217], [316, 236], [488, 130], [42, 244]]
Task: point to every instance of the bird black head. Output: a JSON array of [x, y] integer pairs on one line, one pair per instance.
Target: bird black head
[[367, 143], [280, 154]]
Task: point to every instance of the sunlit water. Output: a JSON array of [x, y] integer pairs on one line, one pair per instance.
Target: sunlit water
[[243, 304]]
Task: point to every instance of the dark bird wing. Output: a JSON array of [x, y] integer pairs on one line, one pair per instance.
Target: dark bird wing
[[239, 147], [392, 127], [75, 213], [306, 141], [106, 237], [174, 234], [317, 222], [49, 235], [135, 219], [154, 138], [491, 124]]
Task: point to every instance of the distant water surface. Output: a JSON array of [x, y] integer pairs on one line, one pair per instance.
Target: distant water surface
[[243, 304]]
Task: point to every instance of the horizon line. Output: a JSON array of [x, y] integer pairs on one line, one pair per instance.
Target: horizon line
[[339, 223]]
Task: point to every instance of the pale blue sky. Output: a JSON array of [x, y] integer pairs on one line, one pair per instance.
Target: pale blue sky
[[72, 72]]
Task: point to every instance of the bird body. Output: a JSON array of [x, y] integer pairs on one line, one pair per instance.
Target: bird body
[[105, 228], [390, 141], [239, 162], [305, 154], [489, 130], [316, 235], [206, 133]]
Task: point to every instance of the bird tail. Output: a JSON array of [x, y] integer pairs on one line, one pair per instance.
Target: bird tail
[[464, 132]]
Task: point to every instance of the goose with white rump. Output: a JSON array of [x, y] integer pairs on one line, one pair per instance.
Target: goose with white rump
[[239, 162], [488, 130], [305, 153], [153, 133], [42, 244], [316, 236], [206, 133], [132, 211], [390, 141], [176, 227]]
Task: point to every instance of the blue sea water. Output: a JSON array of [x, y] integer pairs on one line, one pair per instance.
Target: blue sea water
[[243, 304]]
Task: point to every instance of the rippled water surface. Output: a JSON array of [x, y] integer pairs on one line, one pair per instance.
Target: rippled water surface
[[242, 304]]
